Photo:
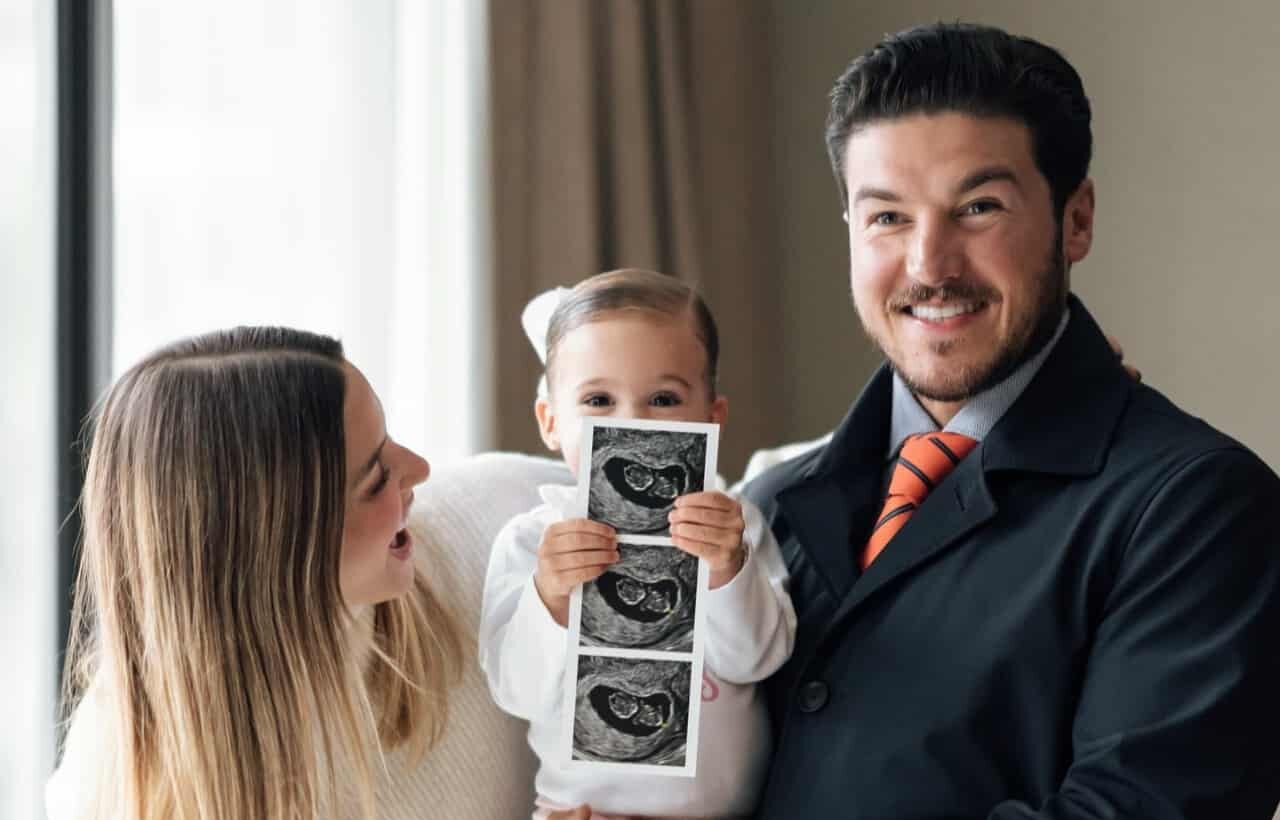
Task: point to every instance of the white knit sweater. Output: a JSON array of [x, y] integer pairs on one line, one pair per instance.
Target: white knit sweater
[[483, 768]]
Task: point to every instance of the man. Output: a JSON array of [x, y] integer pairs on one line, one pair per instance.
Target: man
[[1063, 600]]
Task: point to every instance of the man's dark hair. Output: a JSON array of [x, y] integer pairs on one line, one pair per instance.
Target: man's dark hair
[[970, 69]]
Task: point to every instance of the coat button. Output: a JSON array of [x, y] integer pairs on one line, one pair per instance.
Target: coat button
[[813, 696]]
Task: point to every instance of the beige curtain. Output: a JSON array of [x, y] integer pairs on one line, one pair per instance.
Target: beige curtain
[[636, 133]]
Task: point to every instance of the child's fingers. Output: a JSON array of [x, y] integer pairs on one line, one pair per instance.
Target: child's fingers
[[566, 581], [698, 549], [709, 499], [584, 526], [708, 517], [717, 536], [555, 544], [567, 561]]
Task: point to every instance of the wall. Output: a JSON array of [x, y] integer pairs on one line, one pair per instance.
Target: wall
[[1184, 264]]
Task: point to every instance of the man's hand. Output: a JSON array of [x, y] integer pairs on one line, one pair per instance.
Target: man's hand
[[572, 552], [709, 525]]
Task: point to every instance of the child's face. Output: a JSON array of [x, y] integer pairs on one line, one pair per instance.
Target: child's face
[[626, 365]]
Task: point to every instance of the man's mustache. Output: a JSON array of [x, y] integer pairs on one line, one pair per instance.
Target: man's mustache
[[950, 292]]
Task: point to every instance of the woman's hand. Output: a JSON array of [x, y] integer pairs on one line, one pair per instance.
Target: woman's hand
[[572, 552], [709, 525], [1134, 373]]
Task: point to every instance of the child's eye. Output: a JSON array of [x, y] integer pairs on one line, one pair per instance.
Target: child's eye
[[665, 400], [596, 400]]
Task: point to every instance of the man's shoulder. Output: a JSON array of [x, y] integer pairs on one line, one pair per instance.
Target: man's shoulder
[[1156, 438], [1153, 424]]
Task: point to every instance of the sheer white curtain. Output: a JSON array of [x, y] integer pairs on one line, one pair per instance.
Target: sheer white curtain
[[28, 507], [316, 164]]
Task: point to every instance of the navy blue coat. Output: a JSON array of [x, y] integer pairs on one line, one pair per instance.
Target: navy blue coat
[[1081, 621]]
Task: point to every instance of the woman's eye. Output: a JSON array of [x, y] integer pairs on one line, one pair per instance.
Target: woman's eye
[[596, 400], [886, 218], [665, 400], [382, 480]]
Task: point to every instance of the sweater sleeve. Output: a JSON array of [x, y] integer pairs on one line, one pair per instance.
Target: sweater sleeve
[[87, 765], [522, 648], [751, 624]]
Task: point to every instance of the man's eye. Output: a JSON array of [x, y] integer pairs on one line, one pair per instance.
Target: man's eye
[[886, 218], [980, 207], [596, 400], [665, 400]]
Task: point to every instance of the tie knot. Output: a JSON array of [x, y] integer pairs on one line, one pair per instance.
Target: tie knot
[[925, 460]]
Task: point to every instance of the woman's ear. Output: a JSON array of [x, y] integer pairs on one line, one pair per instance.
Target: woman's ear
[[720, 410], [546, 416]]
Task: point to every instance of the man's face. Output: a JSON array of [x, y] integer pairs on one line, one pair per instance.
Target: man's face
[[958, 266]]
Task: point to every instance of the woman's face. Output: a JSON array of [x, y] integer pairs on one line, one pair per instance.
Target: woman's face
[[377, 549]]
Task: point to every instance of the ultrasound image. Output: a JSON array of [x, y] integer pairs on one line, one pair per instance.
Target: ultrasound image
[[644, 601], [631, 711], [636, 476]]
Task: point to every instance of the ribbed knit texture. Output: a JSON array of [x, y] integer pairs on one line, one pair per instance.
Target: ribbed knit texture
[[483, 768]]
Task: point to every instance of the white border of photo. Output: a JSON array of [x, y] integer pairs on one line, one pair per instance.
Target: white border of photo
[[689, 769]]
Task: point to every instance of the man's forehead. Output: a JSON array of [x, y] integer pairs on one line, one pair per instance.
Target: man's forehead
[[935, 148]]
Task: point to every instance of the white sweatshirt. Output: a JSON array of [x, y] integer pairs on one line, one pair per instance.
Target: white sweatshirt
[[750, 627]]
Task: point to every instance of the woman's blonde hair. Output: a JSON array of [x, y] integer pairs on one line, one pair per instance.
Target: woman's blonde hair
[[208, 607]]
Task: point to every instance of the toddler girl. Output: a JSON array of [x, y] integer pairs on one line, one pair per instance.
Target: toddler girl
[[636, 345]]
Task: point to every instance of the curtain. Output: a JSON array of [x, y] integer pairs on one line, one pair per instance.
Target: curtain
[[636, 133]]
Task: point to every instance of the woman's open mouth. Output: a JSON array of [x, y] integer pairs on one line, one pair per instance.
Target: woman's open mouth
[[402, 545]]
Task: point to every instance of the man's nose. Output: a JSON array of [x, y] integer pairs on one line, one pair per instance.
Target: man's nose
[[934, 253]]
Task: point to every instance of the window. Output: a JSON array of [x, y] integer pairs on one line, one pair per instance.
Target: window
[[313, 164], [28, 516]]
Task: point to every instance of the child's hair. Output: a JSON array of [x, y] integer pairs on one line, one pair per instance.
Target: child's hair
[[208, 607], [634, 290]]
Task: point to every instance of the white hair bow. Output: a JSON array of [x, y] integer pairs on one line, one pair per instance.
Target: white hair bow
[[536, 320]]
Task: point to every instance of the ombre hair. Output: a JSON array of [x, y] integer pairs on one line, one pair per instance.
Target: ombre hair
[[208, 613], [631, 289]]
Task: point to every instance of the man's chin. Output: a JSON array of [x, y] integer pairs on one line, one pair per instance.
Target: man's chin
[[949, 390]]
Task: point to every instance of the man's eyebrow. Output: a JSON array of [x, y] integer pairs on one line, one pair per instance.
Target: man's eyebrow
[[866, 192], [994, 173], [373, 459]]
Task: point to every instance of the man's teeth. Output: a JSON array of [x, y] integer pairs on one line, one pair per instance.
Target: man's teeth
[[937, 313]]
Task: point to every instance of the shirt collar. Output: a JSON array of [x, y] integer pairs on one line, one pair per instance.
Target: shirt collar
[[979, 414]]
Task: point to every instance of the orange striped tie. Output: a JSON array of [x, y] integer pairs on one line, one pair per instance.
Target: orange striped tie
[[923, 462]]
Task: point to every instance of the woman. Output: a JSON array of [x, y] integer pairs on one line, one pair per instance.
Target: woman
[[250, 631]]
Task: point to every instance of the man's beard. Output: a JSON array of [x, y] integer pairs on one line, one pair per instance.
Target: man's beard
[[1026, 339]]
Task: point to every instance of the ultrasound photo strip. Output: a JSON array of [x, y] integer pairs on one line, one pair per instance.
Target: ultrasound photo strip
[[632, 472], [633, 682]]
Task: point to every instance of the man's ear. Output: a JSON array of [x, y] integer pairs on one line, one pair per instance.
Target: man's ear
[[720, 410], [547, 424], [1077, 223]]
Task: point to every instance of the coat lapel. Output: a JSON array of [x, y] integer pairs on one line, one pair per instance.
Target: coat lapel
[[1062, 424], [959, 505], [840, 494]]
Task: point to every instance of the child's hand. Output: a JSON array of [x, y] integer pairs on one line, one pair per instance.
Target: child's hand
[[572, 552], [709, 525]]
